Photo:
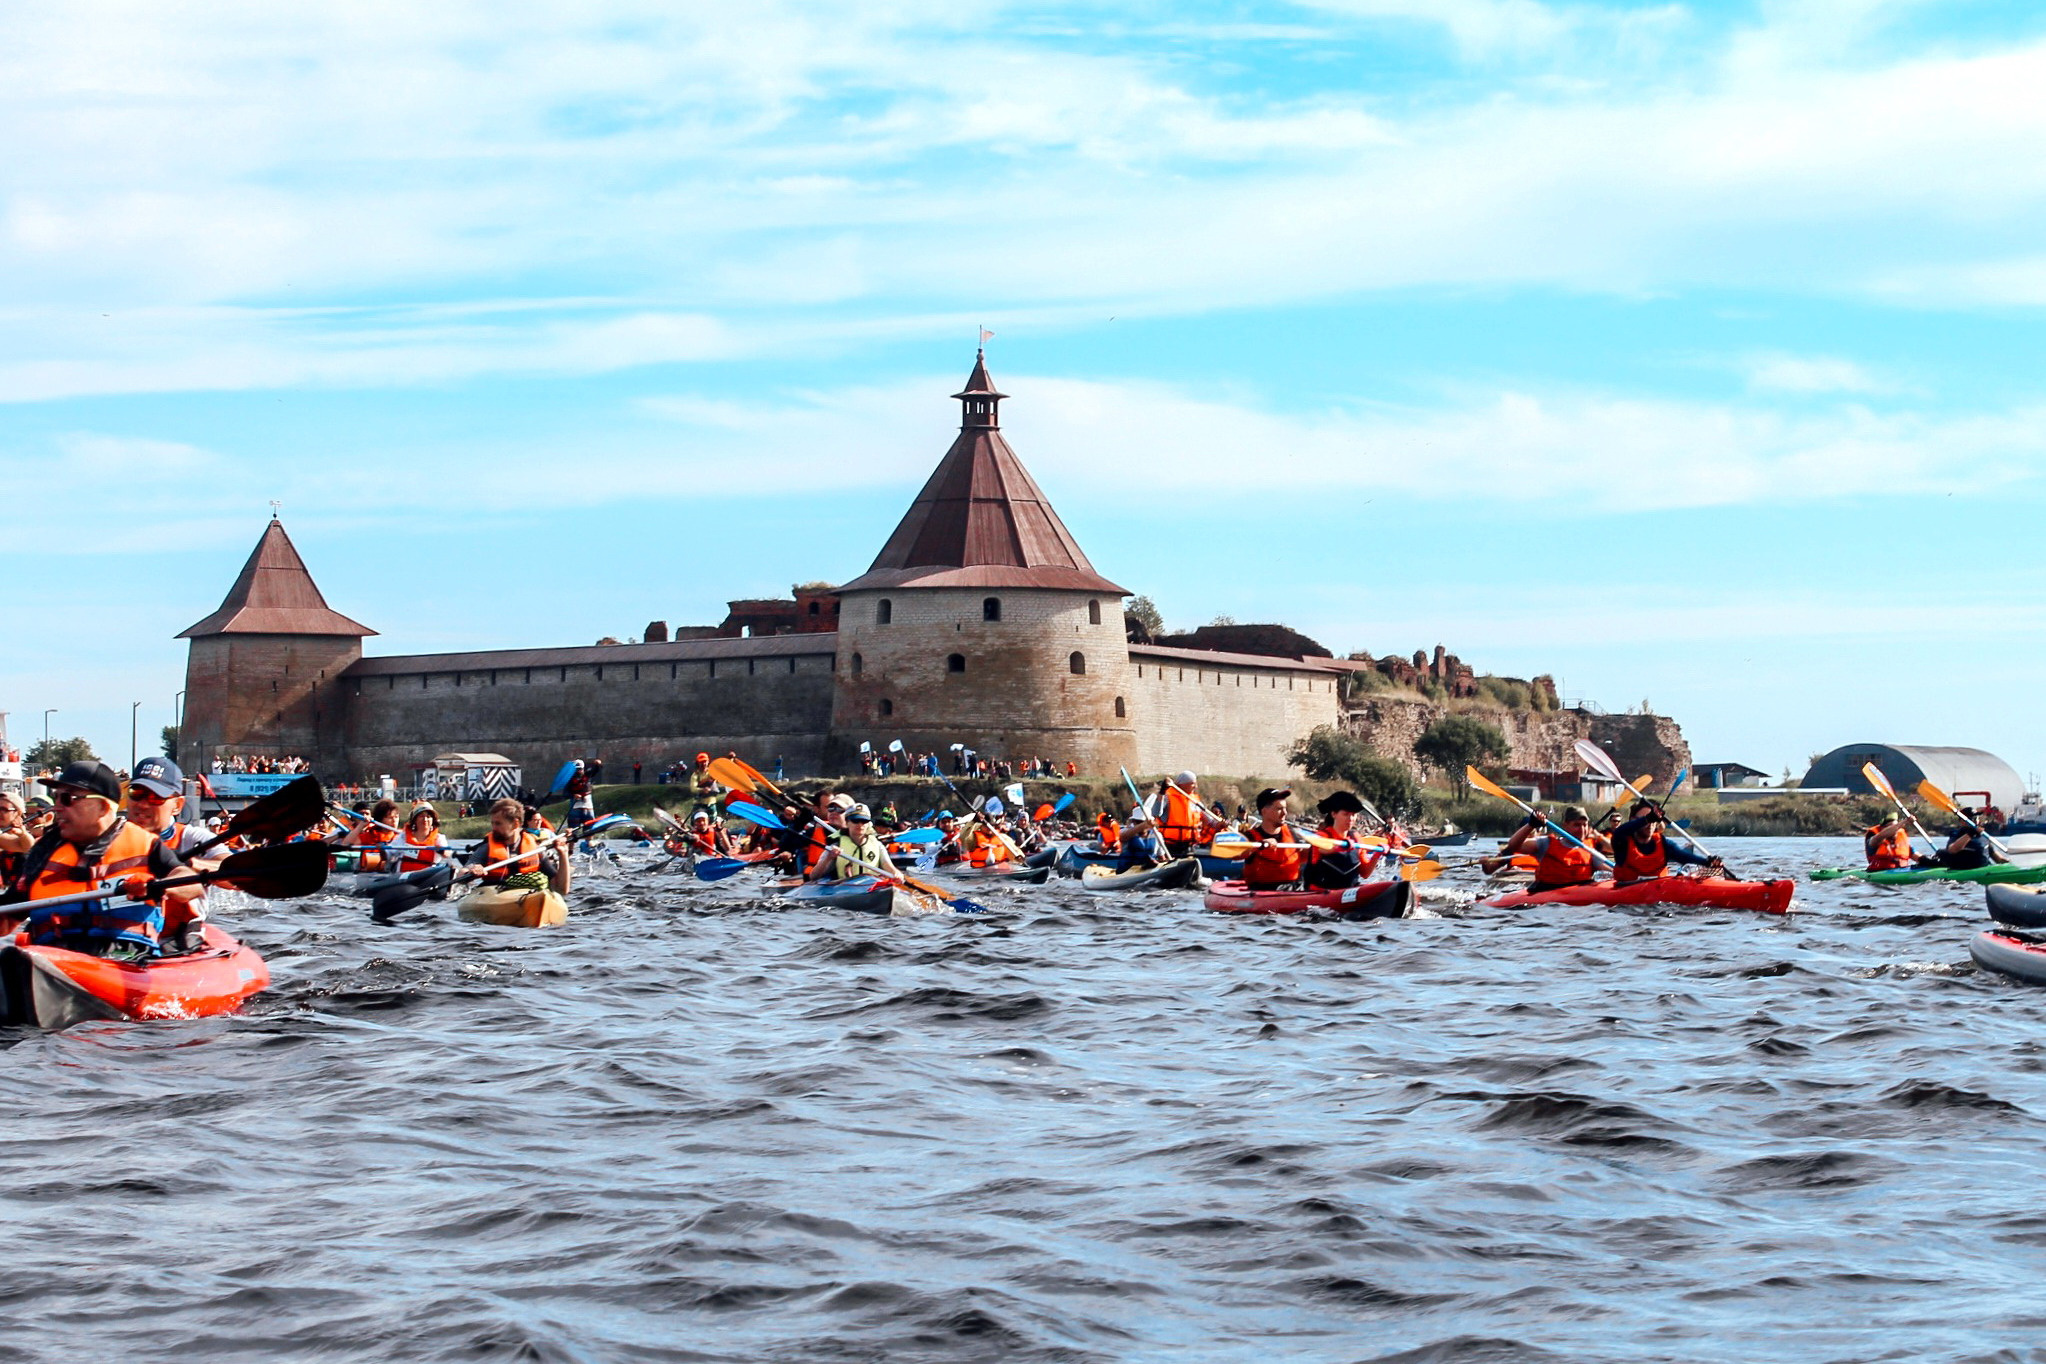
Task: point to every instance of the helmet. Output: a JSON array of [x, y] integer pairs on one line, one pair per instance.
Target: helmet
[[703, 757]]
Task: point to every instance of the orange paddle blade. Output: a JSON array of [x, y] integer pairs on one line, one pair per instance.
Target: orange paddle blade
[[1938, 797], [1420, 871], [1486, 784], [733, 774], [1878, 780]]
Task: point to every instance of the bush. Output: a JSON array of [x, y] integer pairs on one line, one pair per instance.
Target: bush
[[1328, 754], [49, 755], [1506, 692]]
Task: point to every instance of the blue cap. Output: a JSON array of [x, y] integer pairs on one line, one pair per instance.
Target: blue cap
[[160, 775]]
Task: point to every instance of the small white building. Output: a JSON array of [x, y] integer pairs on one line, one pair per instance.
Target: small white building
[[470, 776]]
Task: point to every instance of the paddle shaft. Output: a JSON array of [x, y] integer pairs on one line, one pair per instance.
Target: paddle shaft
[[1489, 787], [974, 812], [1882, 783]]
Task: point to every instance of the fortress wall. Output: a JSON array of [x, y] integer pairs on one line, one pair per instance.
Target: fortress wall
[[624, 708], [1018, 696], [1224, 717]]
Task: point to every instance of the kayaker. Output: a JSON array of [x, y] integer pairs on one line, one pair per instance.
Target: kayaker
[[806, 838], [582, 804], [1558, 861], [1348, 865], [535, 822], [985, 846], [1277, 855], [156, 796], [1640, 851], [707, 837], [40, 814], [541, 867], [92, 842], [1186, 822], [1888, 845], [949, 850], [422, 842], [381, 828], [1966, 850], [15, 839], [1107, 836], [1141, 845], [855, 844]]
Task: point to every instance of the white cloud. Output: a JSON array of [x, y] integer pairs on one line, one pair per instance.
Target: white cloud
[[1810, 374]]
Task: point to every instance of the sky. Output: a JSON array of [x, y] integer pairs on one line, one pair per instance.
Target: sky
[[1689, 353]]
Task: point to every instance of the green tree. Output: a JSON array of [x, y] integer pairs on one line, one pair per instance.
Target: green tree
[[1145, 612], [1328, 754], [170, 742], [1458, 741], [48, 755]]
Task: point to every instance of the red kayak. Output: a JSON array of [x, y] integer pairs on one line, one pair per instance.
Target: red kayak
[[1704, 892], [53, 987], [1372, 900]]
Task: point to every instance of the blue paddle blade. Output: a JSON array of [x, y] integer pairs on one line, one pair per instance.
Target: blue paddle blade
[[920, 836], [1677, 781], [560, 782], [1065, 803], [718, 868], [756, 814]]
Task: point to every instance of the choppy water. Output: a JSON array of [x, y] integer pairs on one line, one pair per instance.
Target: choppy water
[[694, 1125]]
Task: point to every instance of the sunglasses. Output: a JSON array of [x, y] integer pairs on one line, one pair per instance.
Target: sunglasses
[[138, 796], [68, 798]]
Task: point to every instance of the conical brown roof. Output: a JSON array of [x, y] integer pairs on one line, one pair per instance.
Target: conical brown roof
[[275, 596], [982, 521]]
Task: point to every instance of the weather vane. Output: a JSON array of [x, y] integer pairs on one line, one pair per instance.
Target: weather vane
[[275, 507]]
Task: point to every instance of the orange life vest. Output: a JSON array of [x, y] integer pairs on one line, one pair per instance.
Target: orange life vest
[[1643, 860], [1108, 834], [708, 842], [1184, 820], [373, 837], [1563, 863], [419, 856], [122, 855], [820, 838], [1267, 864], [1887, 854], [496, 849], [986, 847]]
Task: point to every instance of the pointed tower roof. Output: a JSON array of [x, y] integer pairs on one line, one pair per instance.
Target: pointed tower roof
[[275, 596], [981, 520]]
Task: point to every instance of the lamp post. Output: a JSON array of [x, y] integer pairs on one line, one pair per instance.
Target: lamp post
[[46, 729], [134, 712]]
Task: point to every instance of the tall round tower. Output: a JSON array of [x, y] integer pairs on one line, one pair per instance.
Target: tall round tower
[[981, 622]]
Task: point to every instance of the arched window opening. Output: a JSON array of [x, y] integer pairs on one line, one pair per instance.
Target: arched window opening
[[884, 611], [859, 665], [887, 706], [813, 609], [1076, 664], [955, 663], [1120, 711], [991, 609], [1094, 613]]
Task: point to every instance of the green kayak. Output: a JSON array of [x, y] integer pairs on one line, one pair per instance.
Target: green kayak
[[1911, 876]]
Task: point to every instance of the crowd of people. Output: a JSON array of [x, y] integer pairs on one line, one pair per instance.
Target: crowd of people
[[257, 763]]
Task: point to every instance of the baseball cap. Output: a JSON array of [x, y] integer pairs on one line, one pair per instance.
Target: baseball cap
[[1272, 793], [859, 814], [160, 775], [91, 776]]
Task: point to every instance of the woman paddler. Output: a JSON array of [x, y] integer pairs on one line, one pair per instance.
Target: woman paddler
[[856, 844], [540, 866], [1641, 853], [1558, 861], [1888, 845], [422, 843], [1348, 865]]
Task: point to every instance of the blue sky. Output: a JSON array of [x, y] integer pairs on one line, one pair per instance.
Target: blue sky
[[1690, 353]]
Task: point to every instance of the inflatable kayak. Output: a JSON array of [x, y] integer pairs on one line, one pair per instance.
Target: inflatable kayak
[[2014, 954], [2002, 875], [862, 894], [1372, 900], [513, 908], [1176, 875], [2017, 905], [1013, 872], [1075, 858], [51, 987], [1703, 892]]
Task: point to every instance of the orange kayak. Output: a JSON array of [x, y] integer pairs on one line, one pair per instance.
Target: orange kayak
[[1703, 892], [53, 987]]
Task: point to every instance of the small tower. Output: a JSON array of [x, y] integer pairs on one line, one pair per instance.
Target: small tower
[[256, 677], [981, 621]]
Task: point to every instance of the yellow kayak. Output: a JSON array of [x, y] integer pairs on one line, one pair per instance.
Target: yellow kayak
[[513, 908]]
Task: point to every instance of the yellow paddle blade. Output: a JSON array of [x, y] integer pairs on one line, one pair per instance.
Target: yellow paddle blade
[[1938, 797], [1878, 780], [1229, 850], [761, 777], [1486, 784], [1314, 840], [1420, 852], [734, 775], [1643, 782], [1420, 871]]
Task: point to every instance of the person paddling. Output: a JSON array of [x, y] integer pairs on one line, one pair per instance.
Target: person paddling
[[422, 843], [1141, 847], [1278, 855], [15, 838], [156, 796], [1186, 821], [1558, 861], [92, 843], [1966, 848], [855, 844], [1640, 852], [707, 837], [1107, 834], [1888, 845], [1346, 866]]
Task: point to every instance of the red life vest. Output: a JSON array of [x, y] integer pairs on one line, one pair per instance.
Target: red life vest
[[419, 856], [1563, 863], [1108, 834], [496, 849], [1268, 864], [1643, 859]]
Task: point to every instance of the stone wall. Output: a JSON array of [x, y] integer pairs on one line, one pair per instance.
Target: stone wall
[[1228, 717], [1536, 740], [1044, 680], [762, 699]]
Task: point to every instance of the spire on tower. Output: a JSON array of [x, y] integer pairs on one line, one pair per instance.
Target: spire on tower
[[275, 595]]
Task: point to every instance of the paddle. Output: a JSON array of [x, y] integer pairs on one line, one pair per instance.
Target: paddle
[[756, 814], [1603, 764], [959, 903], [415, 888], [1948, 804], [1063, 804], [1881, 783], [281, 871], [1492, 788], [292, 808], [973, 812], [719, 868], [918, 836]]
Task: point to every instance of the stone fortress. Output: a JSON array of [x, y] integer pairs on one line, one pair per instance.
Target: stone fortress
[[980, 622]]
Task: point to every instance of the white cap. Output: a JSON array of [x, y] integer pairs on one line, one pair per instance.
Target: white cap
[[1183, 779]]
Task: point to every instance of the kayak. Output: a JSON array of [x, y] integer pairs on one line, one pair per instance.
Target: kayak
[[1372, 900], [2003, 875], [2014, 954], [862, 894], [2025, 850], [1075, 858], [1703, 892], [52, 987], [2016, 905], [1000, 871], [1175, 875], [513, 908]]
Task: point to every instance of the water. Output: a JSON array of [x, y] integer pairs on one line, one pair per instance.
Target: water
[[696, 1126]]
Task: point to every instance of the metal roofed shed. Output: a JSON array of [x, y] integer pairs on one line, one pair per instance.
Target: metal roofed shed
[[470, 776], [1968, 774]]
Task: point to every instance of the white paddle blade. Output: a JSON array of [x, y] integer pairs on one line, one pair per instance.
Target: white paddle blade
[[1595, 758]]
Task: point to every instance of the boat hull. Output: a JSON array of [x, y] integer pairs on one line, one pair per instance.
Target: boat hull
[[2001, 875], [513, 908], [51, 987], [2018, 955], [1372, 900], [1180, 874], [1698, 892]]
